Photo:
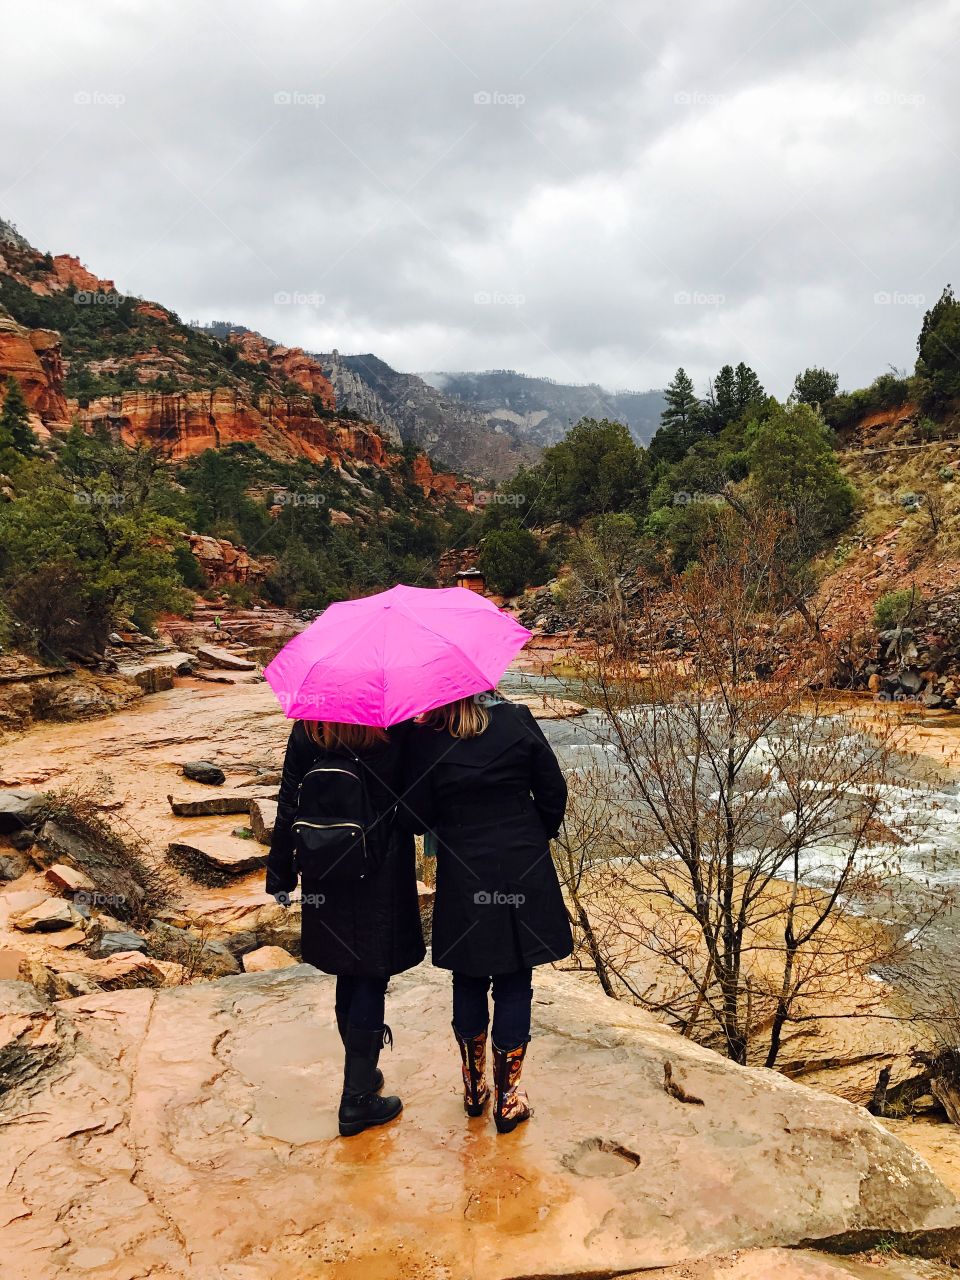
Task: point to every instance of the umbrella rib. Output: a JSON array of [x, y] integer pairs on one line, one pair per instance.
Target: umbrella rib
[[439, 634]]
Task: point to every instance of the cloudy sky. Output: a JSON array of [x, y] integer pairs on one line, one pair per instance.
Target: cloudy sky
[[595, 190]]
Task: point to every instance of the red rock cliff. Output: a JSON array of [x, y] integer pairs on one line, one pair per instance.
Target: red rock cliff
[[32, 356], [291, 363]]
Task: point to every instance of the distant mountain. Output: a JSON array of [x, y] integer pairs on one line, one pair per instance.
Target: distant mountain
[[540, 411], [408, 408]]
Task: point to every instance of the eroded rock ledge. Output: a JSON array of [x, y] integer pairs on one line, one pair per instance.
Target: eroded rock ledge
[[190, 1132]]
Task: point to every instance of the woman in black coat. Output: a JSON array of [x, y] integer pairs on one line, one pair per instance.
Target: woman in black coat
[[363, 931], [485, 781]]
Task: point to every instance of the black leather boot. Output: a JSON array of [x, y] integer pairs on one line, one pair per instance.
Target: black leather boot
[[360, 1106], [342, 1028]]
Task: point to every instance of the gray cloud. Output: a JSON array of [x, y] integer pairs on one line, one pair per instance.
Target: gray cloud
[[594, 191]]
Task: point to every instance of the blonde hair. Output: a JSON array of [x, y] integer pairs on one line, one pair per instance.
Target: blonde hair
[[347, 737], [465, 718]]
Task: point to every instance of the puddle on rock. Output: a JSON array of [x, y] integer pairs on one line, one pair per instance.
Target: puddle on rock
[[598, 1158]]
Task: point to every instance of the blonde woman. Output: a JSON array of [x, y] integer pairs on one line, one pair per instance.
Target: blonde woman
[[485, 781], [360, 913]]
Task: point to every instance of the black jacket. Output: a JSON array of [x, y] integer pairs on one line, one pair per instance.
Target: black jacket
[[494, 802], [371, 927]]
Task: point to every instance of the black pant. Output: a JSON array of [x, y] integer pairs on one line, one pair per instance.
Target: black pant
[[512, 996], [360, 1002]]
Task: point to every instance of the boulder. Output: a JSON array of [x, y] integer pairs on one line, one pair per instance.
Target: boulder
[[219, 804], [210, 1098], [191, 949], [229, 917], [131, 969], [68, 879], [265, 958], [13, 866], [18, 809], [214, 656], [204, 771], [56, 844], [113, 941], [154, 673], [50, 914], [263, 815], [216, 859]]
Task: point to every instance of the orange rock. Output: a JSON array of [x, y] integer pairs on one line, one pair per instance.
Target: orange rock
[[291, 363], [33, 358]]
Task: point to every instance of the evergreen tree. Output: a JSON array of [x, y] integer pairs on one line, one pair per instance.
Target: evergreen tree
[[15, 430], [747, 389], [681, 422], [815, 387], [938, 347]]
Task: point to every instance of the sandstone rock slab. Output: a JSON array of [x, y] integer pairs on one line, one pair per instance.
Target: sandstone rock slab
[[190, 807], [170, 1114], [216, 859], [263, 815], [68, 879], [266, 958], [18, 809], [50, 914], [214, 656]]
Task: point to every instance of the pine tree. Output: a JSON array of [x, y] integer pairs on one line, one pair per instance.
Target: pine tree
[[748, 389], [15, 430], [681, 422], [815, 387]]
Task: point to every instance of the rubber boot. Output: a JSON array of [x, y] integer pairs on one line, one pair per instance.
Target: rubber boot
[[473, 1063], [511, 1106], [360, 1106], [342, 1028]]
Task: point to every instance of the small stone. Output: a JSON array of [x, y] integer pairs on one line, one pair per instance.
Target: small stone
[[69, 879], [204, 771], [209, 805], [113, 941], [265, 958], [263, 815], [13, 866], [50, 914], [18, 809]]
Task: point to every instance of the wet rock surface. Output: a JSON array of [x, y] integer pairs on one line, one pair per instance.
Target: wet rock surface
[[191, 1132]]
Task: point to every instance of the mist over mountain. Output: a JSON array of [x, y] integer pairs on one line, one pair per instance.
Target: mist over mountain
[[540, 411]]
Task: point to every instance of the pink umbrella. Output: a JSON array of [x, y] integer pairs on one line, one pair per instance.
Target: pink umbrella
[[385, 658]]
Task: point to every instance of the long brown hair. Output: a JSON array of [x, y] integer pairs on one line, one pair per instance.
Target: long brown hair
[[465, 718], [344, 737]]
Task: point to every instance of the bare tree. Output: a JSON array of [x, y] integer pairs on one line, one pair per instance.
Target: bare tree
[[749, 816]]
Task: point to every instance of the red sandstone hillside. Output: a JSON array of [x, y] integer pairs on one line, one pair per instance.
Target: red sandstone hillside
[[131, 365]]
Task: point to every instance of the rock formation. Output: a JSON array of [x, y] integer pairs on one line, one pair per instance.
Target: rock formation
[[190, 1131], [291, 363], [32, 356]]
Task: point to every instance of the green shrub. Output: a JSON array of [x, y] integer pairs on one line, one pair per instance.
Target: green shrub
[[894, 608]]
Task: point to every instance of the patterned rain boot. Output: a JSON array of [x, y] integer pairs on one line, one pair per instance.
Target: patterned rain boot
[[473, 1061], [378, 1074], [511, 1105], [360, 1106]]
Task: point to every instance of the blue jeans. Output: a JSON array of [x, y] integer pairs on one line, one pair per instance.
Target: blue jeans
[[512, 997], [360, 1002]]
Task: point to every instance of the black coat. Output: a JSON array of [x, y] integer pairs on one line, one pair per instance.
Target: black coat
[[371, 927], [493, 802]]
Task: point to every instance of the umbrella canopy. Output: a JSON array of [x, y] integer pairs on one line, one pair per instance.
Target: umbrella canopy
[[385, 658]]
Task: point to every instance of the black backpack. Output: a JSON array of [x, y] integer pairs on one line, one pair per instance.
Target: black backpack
[[337, 835]]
